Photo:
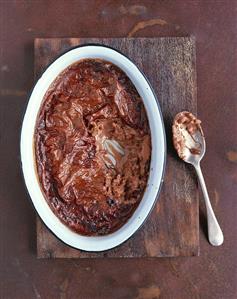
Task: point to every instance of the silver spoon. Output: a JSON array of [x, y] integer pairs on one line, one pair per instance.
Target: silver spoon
[[190, 144]]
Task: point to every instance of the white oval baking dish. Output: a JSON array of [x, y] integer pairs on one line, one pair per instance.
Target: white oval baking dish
[[158, 155]]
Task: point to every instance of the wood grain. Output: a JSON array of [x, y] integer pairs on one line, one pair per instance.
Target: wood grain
[[172, 229]]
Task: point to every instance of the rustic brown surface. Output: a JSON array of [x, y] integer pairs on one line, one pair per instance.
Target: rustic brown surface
[[173, 227], [213, 274]]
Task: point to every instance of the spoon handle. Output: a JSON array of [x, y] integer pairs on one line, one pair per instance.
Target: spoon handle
[[215, 234]]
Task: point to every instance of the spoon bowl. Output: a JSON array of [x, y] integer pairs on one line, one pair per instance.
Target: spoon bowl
[[188, 137]]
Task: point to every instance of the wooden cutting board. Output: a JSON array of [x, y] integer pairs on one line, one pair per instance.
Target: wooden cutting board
[[172, 229]]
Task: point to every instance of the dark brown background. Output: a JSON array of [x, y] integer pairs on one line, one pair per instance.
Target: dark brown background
[[213, 274]]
